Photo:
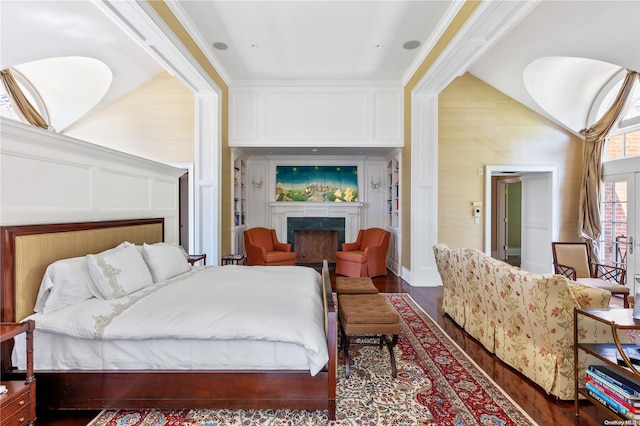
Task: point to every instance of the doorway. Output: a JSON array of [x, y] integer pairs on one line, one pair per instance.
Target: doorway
[[507, 218], [538, 215]]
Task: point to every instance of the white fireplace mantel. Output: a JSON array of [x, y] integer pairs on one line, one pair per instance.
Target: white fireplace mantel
[[351, 212]]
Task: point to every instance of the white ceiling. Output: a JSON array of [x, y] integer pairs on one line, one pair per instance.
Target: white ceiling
[[336, 41], [314, 40]]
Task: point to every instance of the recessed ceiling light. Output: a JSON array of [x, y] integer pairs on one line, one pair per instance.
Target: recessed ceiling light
[[220, 46], [411, 44]]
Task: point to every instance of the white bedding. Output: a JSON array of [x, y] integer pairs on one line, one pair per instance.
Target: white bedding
[[230, 317]]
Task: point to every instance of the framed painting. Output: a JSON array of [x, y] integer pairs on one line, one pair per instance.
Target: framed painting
[[317, 183]]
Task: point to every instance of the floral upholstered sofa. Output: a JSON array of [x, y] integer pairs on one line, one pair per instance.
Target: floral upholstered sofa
[[525, 319]]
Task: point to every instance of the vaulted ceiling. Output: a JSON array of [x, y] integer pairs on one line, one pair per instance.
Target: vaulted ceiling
[[338, 41]]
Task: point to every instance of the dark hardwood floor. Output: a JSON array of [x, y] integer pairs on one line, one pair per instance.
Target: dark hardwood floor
[[544, 409]]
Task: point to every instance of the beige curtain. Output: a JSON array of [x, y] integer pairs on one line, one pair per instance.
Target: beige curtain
[[24, 108], [589, 225]]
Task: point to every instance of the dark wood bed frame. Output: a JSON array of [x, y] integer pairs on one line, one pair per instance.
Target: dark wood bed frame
[[280, 389]]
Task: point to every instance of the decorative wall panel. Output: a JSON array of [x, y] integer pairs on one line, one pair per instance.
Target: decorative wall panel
[[366, 116], [51, 178]]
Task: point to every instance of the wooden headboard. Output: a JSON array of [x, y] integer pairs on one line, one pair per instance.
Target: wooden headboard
[[27, 250]]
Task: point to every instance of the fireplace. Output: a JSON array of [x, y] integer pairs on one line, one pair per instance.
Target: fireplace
[[315, 238], [343, 218]]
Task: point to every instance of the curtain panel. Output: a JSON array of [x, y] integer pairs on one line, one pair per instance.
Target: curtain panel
[[589, 221]]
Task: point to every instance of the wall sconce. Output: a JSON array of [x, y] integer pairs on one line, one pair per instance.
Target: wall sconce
[[256, 185], [377, 184]]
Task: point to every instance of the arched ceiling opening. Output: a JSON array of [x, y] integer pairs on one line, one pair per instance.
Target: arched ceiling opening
[[69, 86]]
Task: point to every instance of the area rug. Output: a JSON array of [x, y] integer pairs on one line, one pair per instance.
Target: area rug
[[437, 384]]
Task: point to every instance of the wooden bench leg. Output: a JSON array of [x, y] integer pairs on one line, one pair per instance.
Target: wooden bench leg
[[383, 341], [347, 360], [390, 344], [345, 346]]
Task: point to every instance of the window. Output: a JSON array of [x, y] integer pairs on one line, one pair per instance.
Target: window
[[623, 145], [624, 141], [613, 247]]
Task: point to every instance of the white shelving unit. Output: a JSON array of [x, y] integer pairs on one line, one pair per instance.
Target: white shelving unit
[[393, 208], [393, 192], [239, 191], [240, 186]]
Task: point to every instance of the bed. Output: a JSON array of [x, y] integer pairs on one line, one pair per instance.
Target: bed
[[28, 250]]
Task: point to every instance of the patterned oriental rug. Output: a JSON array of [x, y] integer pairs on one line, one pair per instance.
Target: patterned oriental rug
[[437, 384]]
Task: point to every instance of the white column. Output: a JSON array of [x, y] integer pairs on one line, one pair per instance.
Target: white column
[[207, 176], [424, 191]]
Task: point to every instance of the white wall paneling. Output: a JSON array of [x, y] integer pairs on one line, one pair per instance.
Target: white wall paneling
[[424, 191], [258, 214], [46, 177], [393, 253], [366, 116], [374, 198]]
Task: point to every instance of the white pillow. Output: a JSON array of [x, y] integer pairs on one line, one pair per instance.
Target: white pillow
[[117, 272], [164, 260], [65, 282]]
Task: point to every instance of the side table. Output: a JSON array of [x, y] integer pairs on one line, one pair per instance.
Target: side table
[[234, 259], [193, 258], [18, 405]]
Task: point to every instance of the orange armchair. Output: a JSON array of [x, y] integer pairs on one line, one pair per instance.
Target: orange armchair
[[263, 248], [366, 257]]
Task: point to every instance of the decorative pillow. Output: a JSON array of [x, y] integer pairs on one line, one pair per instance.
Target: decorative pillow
[[117, 272], [164, 260], [65, 282]]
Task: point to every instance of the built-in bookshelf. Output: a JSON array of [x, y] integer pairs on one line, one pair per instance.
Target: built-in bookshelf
[[393, 192], [239, 191]]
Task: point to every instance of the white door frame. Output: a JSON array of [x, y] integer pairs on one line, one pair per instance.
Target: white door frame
[[489, 170]]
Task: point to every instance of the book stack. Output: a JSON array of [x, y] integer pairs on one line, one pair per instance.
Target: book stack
[[615, 389]]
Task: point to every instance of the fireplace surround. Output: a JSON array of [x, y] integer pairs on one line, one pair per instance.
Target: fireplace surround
[[348, 213]]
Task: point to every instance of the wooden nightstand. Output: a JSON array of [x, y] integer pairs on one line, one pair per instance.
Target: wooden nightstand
[[193, 258], [234, 259], [18, 405]]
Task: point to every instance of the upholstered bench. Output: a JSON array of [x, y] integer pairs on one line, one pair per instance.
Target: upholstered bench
[[367, 316], [355, 285]]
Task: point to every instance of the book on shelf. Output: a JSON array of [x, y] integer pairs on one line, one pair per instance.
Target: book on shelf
[[629, 399], [610, 404], [620, 399], [619, 378]]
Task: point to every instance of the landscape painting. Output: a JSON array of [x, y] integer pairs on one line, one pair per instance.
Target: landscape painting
[[317, 183]]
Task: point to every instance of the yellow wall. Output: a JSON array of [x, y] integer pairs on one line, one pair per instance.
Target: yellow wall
[[460, 19], [154, 121], [226, 190], [478, 125]]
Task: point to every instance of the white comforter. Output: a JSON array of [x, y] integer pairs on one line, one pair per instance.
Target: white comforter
[[282, 304]]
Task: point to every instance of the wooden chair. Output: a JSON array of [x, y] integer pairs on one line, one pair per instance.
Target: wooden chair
[[366, 257], [263, 248], [572, 261]]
